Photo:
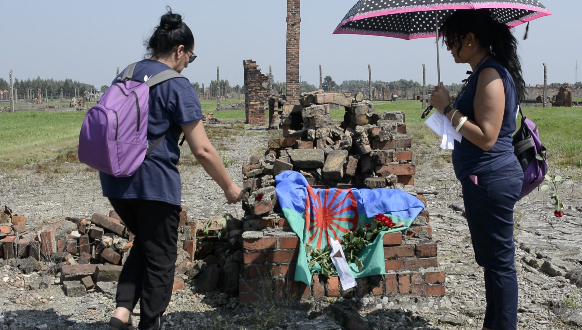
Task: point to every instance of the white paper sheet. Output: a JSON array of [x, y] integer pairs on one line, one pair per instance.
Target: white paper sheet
[[441, 125], [341, 265]]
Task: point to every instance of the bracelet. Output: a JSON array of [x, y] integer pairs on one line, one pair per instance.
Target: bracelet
[[453, 116], [461, 123], [448, 108]]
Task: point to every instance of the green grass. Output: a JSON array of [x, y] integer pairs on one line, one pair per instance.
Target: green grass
[[577, 99], [209, 106]]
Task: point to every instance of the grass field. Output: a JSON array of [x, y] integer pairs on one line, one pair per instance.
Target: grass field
[[27, 136]]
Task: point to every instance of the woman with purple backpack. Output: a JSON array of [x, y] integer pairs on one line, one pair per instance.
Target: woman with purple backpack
[[149, 201], [484, 161]]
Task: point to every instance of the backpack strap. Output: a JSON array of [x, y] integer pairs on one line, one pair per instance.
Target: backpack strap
[[163, 76], [128, 72]]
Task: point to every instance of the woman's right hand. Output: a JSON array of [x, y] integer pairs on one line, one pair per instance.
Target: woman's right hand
[[440, 98], [233, 193]]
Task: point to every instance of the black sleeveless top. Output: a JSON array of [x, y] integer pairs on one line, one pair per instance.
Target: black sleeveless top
[[468, 158]]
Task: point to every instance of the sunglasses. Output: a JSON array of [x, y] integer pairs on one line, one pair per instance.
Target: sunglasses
[[192, 58], [450, 43]]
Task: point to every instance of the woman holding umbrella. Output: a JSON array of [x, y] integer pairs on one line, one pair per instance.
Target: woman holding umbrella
[[491, 177]]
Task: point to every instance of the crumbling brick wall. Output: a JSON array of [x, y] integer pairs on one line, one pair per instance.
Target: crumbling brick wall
[[256, 93], [293, 33]]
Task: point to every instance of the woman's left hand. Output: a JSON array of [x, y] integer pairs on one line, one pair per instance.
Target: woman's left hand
[[440, 98]]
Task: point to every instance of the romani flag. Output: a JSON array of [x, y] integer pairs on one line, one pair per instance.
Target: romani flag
[[319, 215]]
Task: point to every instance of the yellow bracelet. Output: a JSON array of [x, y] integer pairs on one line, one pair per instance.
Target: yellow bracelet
[[453, 116], [461, 123]]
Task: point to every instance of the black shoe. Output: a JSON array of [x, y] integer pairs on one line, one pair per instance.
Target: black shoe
[[117, 324], [158, 324]]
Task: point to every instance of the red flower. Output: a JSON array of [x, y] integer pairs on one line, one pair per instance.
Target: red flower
[[559, 214], [368, 226], [259, 197]]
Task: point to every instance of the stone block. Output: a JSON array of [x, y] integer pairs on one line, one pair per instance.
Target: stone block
[[383, 157], [307, 158], [107, 273], [88, 282], [281, 166], [76, 272], [303, 144], [360, 109], [352, 166], [84, 246], [22, 247], [374, 183], [48, 242], [396, 169], [111, 256], [74, 289], [333, 169]]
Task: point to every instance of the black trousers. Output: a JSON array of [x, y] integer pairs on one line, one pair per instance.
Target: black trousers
[[148, 273]]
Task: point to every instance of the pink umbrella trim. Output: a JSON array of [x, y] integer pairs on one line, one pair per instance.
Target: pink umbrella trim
[[540, 12], [339, 29]]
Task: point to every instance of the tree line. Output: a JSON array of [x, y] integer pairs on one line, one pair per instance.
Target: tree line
[[52, 87]]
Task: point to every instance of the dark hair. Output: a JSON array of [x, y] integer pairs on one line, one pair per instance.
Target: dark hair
[[170, 34], [492, 35]]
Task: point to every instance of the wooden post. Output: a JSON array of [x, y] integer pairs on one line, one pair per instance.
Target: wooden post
[[545, 84], [320, 78], [218, 88], [423, 86], [61, 95], [370, 80], [117, 74], [46, 95]]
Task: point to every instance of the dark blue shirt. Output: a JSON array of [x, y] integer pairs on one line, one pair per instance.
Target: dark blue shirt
[[468, 158], [172, 103]]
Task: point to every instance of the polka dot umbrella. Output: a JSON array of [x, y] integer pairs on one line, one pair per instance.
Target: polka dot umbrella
[[412, 19]]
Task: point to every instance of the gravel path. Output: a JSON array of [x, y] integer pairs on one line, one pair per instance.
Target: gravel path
[[47, 193]]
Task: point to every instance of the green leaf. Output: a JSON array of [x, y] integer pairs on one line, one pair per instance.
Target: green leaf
[[359, 264], [548, 177], [558, 178], [369, 236], [545, 187]]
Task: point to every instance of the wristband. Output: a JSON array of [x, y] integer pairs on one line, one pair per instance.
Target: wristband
[[461, 123], [453, 116], [448, 109]]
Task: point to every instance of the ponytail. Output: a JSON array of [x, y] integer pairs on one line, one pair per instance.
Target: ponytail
[[492, 36]]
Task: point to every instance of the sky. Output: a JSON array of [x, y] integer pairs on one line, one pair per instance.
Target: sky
[[87, 41]]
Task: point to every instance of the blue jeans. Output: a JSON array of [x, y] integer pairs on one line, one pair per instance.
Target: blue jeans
[[489, 208]]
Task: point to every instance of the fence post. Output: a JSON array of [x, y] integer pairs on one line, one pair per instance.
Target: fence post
[[545, 84]]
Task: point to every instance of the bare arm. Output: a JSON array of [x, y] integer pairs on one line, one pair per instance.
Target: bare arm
[[208, 157], [489, 105]]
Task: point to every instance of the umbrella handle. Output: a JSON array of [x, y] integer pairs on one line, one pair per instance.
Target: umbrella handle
[[437, 47]]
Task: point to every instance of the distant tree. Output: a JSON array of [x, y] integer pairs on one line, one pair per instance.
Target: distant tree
[[306, 87], [328, 84], [104, 88], [578, 84], [196, 86], [4, 85]]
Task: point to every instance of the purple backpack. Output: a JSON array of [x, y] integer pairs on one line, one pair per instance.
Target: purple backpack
[[113, 136], [531, 154]]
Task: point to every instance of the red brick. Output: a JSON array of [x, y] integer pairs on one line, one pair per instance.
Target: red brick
[[407, 180], [254, 258], [396, 169], [72, 246], [111, 224], [399, 143], [261, 271], [84, 246], [425, 215], [22, 247], [61, 245], [77, 272], [110, 255], [83, 226], [318, 287], [352, 166], [18, 219], [48, 242], [283, 223], [282, 256], [410, 232], [303, 144], [288, 270], [129, 245], [404, 283], [393, 264], [399, 251], [5, 229], [401, 129], [193, 227], [378, 290], [95, 233], [434, 290], [288, 242], [114, 215], [183, 267], [88, 282], [426, 250], [8, 247], [434, 277], [333, 286], [189, 246], [107, 273], [374, 131], [404, 155], [264, 243], [420, 263], [392, 238], [289, 141], [422, 199], [178, 284], [183, 216], [262, 207], [298, 290], [391, 284]]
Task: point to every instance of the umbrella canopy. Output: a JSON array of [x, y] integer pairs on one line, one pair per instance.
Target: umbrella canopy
[[411, 19]]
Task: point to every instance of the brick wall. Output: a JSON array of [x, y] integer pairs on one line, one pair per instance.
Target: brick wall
[[293, 33], [256, 93], [410, 261]]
